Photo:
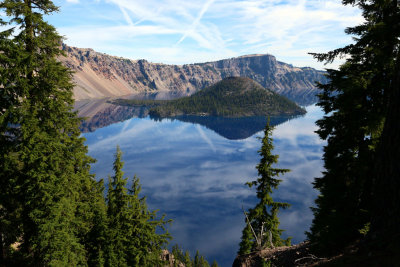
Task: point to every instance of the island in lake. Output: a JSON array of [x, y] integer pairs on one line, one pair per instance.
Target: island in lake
[[231, 97]]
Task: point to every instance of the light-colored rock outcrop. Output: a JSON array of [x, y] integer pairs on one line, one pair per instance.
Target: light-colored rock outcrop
[[99, 75]]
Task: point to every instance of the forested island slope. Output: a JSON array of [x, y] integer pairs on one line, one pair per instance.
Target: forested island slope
[[231, 97]]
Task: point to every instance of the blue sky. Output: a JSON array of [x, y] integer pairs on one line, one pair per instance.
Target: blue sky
[[190, 31]]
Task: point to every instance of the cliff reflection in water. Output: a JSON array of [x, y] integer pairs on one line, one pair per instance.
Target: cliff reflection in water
[[112, 114], [103, 114]]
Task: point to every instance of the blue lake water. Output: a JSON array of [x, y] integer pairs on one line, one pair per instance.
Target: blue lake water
[[196, 176]]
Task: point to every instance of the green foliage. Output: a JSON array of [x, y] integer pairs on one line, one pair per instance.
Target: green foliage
[[248, 240], [364, 231], [43, 166], [360, 97], [52, 211], [231, 97], [132, 233], [96, 240], [262, 220], [184, 257]]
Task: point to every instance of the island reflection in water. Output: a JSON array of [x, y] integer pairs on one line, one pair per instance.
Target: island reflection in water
[[197, 176], [105, 114]]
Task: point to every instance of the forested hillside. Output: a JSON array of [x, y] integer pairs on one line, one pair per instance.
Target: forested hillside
[[231, 97]]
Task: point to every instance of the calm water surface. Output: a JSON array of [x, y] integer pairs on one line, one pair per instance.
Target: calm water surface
[[197, 176]]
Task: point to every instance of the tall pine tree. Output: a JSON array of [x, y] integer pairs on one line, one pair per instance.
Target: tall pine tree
[[135, 235], [45, 180], [262, 221], [361, 182]]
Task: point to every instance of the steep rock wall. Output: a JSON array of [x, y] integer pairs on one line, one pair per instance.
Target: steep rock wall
[[98, 75]]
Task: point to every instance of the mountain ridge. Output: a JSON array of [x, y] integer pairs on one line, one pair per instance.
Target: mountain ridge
[[98, 75]]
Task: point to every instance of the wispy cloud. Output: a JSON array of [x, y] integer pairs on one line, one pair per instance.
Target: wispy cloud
[[205, 137], [197, 20], [126, 16], [180, 31]]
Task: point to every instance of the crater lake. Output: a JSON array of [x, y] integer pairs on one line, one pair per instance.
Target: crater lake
[[194, 170]]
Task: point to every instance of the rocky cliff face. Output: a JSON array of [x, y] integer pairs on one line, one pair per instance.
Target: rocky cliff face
[[99, 75]]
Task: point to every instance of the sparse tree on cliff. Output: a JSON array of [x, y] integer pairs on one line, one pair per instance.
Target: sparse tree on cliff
[[262, 221]]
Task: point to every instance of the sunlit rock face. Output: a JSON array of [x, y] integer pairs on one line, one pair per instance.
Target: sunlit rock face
[[99, 75]]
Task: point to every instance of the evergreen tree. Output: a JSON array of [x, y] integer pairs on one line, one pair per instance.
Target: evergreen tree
[[117, 213], [199, 261], [133, 238], [184, 258], [44, 168], [203, 262], [96, 239], [361, 105], [385, 22], [247, 243], [262, 221], [196, 260], [187, 260], [150, 233]]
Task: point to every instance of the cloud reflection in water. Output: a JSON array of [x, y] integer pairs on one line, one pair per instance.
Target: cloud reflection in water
[[197, 177]]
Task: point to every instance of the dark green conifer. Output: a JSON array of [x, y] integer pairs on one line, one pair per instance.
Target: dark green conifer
[[184, 258], [262, 221], [187, 260], [199, 261], [150, 234], [178, 254], [203, 262], [96, 239], [247, 243], [196, 260], [358, 101], [214, 264], [135, 236], [43, 158]]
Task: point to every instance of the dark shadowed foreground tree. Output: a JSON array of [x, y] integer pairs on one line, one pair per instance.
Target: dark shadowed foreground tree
[[360, 187], [135, 236], [45, 180], [261, 230]]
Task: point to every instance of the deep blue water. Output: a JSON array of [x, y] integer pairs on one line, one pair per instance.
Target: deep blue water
[[197, 176]]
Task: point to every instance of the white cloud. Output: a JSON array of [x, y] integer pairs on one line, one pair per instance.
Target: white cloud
[[205, 137], [192, 31], [197, 20]]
